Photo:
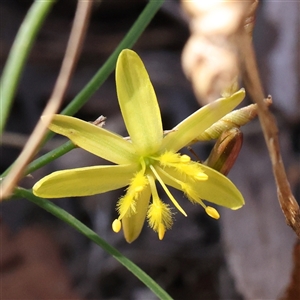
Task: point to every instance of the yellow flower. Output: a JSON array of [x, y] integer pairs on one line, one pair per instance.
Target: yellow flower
[[146, 158]]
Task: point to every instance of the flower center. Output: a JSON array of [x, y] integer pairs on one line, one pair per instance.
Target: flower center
[[169, 168]]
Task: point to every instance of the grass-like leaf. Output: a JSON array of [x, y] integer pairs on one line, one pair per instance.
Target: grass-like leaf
[[92, 235], [19, 54]]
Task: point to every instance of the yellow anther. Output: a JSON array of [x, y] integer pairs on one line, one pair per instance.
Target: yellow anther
[[201, 176], [185, 158], [139, 188], [116, 225], [212, 212], [161, 231]]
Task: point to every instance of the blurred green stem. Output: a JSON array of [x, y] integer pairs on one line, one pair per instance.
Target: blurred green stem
[[90, 234], [19, 54]]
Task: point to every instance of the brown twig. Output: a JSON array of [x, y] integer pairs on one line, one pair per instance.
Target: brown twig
[[71, 56], [19, 140], [293, 290], [288, 203]]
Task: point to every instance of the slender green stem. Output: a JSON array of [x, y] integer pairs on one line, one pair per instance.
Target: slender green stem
[[50, 156], [90, 234], [18, 55], [46, 158]]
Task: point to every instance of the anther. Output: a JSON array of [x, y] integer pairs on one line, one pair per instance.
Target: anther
[[212, 212], [201, 176], [139, 189], [185, 158], [116, 225], [161, 231]]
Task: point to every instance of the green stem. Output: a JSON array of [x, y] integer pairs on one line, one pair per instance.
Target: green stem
[[19, 54], [90, 234], [50, 156], [45, 159]]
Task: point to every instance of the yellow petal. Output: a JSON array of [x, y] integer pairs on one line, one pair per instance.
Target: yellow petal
[[132, 226], [220, 190], [217, 188], [84, 181], [191, 127], [96, 140], [138, 103]]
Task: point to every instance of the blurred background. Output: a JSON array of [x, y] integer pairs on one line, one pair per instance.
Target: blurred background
[[247, 254]]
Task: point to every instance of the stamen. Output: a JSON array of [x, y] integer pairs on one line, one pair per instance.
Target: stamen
[[138, 182], [183, 164], [169, 176], [127, 204], [212, 212], [139, 189], [185, 158], [155, 197], [191, 194], [161, 231], [201, 176], [192, 169], [159, 214], [116, 225], [176, 204], [169, 158]]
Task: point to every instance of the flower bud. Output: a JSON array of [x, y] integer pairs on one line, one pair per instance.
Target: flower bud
[[225, 151]]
